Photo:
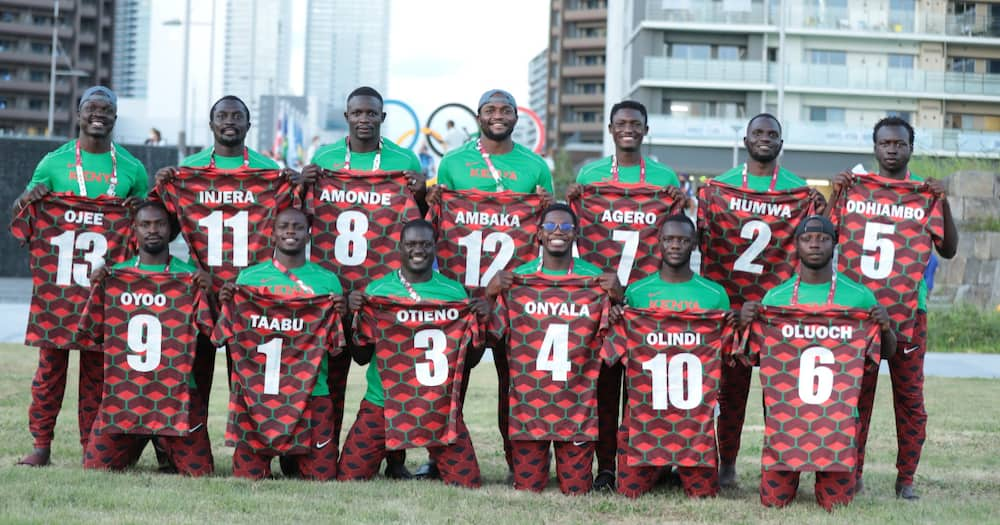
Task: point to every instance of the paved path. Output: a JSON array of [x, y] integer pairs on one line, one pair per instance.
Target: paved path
[[15, 294]]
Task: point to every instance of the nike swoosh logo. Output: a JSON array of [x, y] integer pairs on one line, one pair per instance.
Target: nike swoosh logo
[[579, 443], [323, 444], [196, 427], [908, 350]]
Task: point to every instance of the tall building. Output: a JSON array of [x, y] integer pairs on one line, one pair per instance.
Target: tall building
[[538, 83], [129, 72], [257, 51], [829, 69], [577, 41], [347, 45], [84, 44]]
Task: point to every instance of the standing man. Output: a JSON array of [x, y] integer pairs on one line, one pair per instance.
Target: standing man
[[818, 283], [229, 120], [90, 166], [760, 173], [364, 149], [495, 163], [289, 274], [893, 138], [627, 165], [674, 288]]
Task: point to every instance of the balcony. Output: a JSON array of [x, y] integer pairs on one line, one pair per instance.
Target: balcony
[[580, 126], [22, 29], [25, 86], [838, 21], [711, 13], [707, 74], [909, 83], [24, 57], [584, 15], [582, 99], [812, 136], [584, 42], [583, 71]]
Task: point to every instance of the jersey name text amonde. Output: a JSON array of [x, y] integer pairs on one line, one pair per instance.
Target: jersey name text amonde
[[356, 197]]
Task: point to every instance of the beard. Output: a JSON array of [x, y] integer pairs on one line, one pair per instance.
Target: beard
[[764, 158], [497, 137], [235, 140], [155, 249]]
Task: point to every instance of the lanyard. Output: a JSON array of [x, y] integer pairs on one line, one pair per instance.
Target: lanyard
[[166, 269], [409, 287], [303, 286], [490, 166], [774, 177], [246, 158], [375, 163], [642, 169], [541, 260], [829, 297], [79, 172]]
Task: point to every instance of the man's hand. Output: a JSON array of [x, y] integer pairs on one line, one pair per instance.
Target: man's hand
[[818, 202], [416, 182], [677, 195], [227, 292], [616, 313], [130, 201], [481, 307], [356, 300], [310, 173], [609, 281], [289, 174], [40, 190], [203, 280], [573, 191], [842, 180], [165, 175], [749, 312], [937, 187], [434, 194], [881, 316], [547, 199], [339, 303], [730, 318], [98, 275], [500, 282]]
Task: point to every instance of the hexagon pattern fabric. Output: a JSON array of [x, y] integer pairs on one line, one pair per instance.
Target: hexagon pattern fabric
[[149, 323], [811, 364], [227, 217], [277, 345], [887, 231], [554, 328], [412, 340], [620, 224], [481, 233], [673, 365], [69, 237], [357, 219], [747, 237]]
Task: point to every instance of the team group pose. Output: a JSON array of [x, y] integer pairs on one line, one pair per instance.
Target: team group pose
[[607, 344]]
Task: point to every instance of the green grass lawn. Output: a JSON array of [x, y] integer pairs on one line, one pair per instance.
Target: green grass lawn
[[958, 478]]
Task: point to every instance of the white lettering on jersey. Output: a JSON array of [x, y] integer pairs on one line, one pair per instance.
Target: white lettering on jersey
[[356, 197], [425, 316], [628, 217], [760, 208], [674, 339], [142, 299], [277, 324], [488, 219], [811, 331], [557, 309], [226, 197], [897, 211], [84, 217]]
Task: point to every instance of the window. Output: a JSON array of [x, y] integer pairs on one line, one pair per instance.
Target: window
[[7, 45], [36, 104], [905, 115], [730, 52], [827, 57], [900, 61], [588, 116], [993, 66], [3, 102], [41, 20], [8, 16], [690, 51], [825, 114], [38, 47], [37, 75], [5, 74], [961, 64], [706, 109], [901, 15], [772, 54]]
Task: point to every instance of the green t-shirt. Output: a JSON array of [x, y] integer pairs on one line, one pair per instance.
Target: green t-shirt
[[438, 287], [657, 174], [698, 293], [580, 267], [176, 266], [849, 294], [521, 170], [57, 170], [322, 281], [786, 179], [204, 157], [394, 157]]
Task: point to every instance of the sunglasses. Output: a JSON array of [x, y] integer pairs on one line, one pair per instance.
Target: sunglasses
[[563, 226]]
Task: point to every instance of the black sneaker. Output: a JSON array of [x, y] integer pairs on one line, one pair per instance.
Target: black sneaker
[[428, 470], [727, 476], [906, 492], [397, 471], [605, 480]]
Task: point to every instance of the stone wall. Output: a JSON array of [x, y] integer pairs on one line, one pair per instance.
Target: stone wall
[[973, 276]]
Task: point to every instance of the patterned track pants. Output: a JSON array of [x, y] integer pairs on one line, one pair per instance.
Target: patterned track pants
[[49, 385], [320, 464], [574, 465]]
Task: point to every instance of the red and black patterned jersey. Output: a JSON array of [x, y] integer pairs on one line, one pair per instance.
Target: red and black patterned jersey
[[420, 348], [888, 229], [554, 329], [149, 323], [358, 219], [227, 217], [619, 226], [277, 345], [748, 237], [481, 233], [69, 237], [673, 365], [811, 363]]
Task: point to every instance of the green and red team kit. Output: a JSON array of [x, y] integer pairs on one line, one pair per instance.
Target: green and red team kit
[[680, 361]]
